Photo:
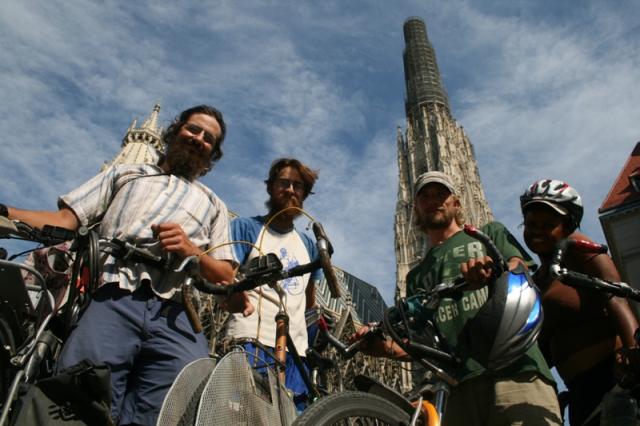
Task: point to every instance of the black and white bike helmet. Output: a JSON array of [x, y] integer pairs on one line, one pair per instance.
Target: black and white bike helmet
[[558, 195], [507, 325]]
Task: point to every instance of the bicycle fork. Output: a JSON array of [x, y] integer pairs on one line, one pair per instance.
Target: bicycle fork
[[433, 412]]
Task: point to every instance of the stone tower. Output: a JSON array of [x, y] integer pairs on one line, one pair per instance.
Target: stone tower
[[432, 141], [141, 144]]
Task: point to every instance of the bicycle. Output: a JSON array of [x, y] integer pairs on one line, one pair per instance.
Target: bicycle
[[231, 390], [411, 324], [33, 323], [28, 347], [620, 405]]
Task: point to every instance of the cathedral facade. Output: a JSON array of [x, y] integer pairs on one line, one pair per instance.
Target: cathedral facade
[[432, 141]]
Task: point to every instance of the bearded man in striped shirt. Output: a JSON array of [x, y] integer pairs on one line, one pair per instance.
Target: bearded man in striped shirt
[[135, 322]]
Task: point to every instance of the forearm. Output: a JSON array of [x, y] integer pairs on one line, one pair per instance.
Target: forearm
[[310, 294], [626, 323], [216, 271], [64, 218], [384, 348], [602, 266], [394, 351]]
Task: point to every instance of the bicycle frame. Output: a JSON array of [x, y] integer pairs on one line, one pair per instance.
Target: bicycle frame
[[400, 322]]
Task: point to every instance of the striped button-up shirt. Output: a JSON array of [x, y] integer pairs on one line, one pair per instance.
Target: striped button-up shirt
[[128, 199]]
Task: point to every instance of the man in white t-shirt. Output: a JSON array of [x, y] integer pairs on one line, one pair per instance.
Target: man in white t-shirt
[[289, 183]]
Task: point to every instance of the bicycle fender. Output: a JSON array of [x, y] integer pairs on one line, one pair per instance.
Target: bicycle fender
[[372, 386]]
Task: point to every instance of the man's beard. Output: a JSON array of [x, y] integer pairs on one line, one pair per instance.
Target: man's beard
[[439, 219], [185, 160], [277, 206]]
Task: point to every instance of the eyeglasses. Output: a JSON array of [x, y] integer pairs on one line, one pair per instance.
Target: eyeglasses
[[282, 184], [196, 130]]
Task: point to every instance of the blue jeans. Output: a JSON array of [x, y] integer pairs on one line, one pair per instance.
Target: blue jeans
[[145, 341]]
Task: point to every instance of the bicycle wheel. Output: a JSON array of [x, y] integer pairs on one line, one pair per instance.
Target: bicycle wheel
[[353, 408]]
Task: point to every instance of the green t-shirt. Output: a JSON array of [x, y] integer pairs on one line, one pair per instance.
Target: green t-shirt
[[442, 265]]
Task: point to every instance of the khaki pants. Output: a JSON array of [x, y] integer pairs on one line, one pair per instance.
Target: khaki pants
[[522, 400]]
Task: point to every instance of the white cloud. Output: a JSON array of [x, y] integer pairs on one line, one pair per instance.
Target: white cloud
[[538, 95], [563, 103]]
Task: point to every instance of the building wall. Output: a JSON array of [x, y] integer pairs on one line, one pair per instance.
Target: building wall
[[622, 231]]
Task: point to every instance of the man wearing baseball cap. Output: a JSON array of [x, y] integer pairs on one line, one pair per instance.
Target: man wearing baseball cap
[[522, 393]]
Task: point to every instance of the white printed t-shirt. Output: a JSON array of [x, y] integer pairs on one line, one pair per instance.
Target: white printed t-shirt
[[292, 248]]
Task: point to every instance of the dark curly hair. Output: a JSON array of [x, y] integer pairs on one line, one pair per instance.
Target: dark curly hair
[[169, 135]]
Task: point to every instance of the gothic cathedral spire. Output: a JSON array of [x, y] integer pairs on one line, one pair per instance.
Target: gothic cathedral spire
[[141, 144], [432, 141]]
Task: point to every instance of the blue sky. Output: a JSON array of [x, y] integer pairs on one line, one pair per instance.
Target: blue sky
[[543, 89]]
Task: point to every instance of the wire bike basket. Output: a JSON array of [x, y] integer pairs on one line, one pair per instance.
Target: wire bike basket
[[229, 392]]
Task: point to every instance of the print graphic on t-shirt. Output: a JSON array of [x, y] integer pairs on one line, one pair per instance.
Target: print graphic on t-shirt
[[290, 285], [447, 267]]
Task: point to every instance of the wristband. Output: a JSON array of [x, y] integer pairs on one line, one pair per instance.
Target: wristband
[[4, 211]]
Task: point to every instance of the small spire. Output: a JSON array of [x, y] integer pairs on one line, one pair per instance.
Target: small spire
[[133, 125], [151, 123]]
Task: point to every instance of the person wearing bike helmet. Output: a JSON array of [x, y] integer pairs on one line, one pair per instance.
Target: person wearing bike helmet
[[520, 393], [136, 323], [582, 329], [288, 184]]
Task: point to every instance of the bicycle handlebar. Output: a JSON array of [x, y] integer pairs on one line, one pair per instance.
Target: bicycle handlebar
[[500, 265], [262, 270], [266, 269], [48, 235], [577, 279]]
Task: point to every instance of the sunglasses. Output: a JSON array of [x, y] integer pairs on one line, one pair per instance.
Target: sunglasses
[[196, 130]]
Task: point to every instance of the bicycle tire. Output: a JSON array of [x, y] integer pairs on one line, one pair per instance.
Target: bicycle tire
[[353, 407]]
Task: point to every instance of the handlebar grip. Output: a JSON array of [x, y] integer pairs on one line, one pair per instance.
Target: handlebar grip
[[576, 279], [57, 234], [588, 246], [325, 251], [217, 289], [470, 230], [329, 275], [319, 233]]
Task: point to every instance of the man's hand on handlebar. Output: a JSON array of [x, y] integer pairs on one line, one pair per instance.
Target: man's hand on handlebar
[[174, 240], [476, 272], [238, 302], [376, 345]]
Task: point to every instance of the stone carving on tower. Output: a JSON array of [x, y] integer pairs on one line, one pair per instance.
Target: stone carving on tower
[[141, 144], [432, 141]]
